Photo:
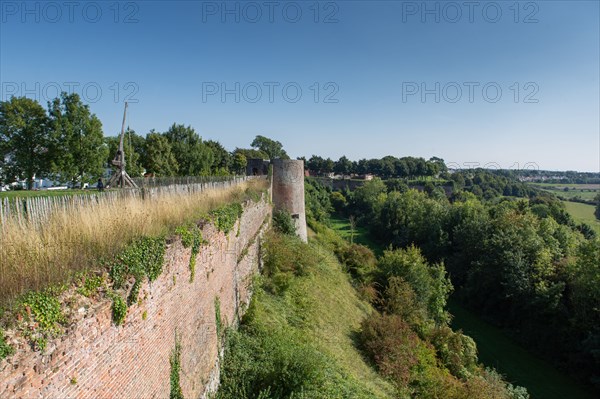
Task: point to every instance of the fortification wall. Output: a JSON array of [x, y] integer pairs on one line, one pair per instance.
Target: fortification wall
[[96, 359]]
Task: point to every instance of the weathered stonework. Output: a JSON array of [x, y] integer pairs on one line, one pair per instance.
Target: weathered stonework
[[97, 359]]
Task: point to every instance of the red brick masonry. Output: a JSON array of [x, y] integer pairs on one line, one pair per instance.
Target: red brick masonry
[[96, 359]]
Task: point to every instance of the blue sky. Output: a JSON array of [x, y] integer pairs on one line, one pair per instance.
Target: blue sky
[[490, 84]]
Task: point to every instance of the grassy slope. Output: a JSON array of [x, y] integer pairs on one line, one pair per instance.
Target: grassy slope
[[338, 313], [583, 213], [518, 365], [323, 308]]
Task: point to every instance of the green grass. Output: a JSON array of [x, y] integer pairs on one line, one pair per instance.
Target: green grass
[[341, 225], [515, 363], [311, 323], [583, 213], [584, 191], [42, 193]]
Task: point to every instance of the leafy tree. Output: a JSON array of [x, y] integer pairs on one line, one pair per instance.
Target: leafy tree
[[343, 166], [251, 153], [24, 139], [222, 159], [597, 211], [78, 149], [430, 283], [273, 149], [239, 163], [194, 157], [159, 158]]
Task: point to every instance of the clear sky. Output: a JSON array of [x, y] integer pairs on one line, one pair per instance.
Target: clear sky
[[499, 83]]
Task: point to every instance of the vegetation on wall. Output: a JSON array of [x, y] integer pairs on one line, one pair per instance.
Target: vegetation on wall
[[5, 348], [191, 237], [225, 216], [175, 374]]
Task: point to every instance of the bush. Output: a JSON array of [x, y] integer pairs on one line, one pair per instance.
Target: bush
[[283, 222], [457, 352], [226, 216], [119, 309], [359, 260], [391, 345], [429, 282], [285, 257], [269, 365]]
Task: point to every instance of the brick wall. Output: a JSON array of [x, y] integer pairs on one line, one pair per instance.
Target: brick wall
[[97, 359]]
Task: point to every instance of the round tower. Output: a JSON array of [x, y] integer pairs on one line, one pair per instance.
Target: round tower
[[288, 191]]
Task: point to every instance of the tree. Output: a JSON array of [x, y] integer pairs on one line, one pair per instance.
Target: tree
[[597, 211], [251, 153], [429, 281], [343, 166], [273, 149], [24, 139], [193, 156], [239, 163], [78, 147], [222, 159], [159, 158]]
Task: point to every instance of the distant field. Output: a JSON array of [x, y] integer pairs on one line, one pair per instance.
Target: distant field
[[42, 193], [583, 213], [361, 235], [583, 191], [520, 367]]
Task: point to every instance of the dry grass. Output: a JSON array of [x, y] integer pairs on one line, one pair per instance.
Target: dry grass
[[32, 258]]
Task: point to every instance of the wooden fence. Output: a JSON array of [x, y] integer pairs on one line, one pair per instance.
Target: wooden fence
[[37, 210]]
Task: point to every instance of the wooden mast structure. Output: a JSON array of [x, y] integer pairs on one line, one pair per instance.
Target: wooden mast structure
[[120, 178]]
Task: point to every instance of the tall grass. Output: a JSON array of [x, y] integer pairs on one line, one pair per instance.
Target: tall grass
[[34, 256]]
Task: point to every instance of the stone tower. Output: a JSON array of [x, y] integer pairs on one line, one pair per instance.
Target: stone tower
[[288, 191]]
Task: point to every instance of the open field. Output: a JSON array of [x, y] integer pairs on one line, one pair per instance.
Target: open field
[[584, 191], [583, 213], [36, 255], [515, 363]]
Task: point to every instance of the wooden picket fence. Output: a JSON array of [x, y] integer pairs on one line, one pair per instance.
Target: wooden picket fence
[[35, 211]]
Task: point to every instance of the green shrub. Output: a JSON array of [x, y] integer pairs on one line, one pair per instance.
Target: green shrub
[[90, 285], [283, 222], [270, 365], [284, 257], [43, 309], [429, 281], [143, 258], [359, 261], [225, 216], [5, 349], [457, 352], [119, 309]]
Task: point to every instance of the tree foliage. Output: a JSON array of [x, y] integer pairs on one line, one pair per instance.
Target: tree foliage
[[24, 140], [273, 149], [78, 151]]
